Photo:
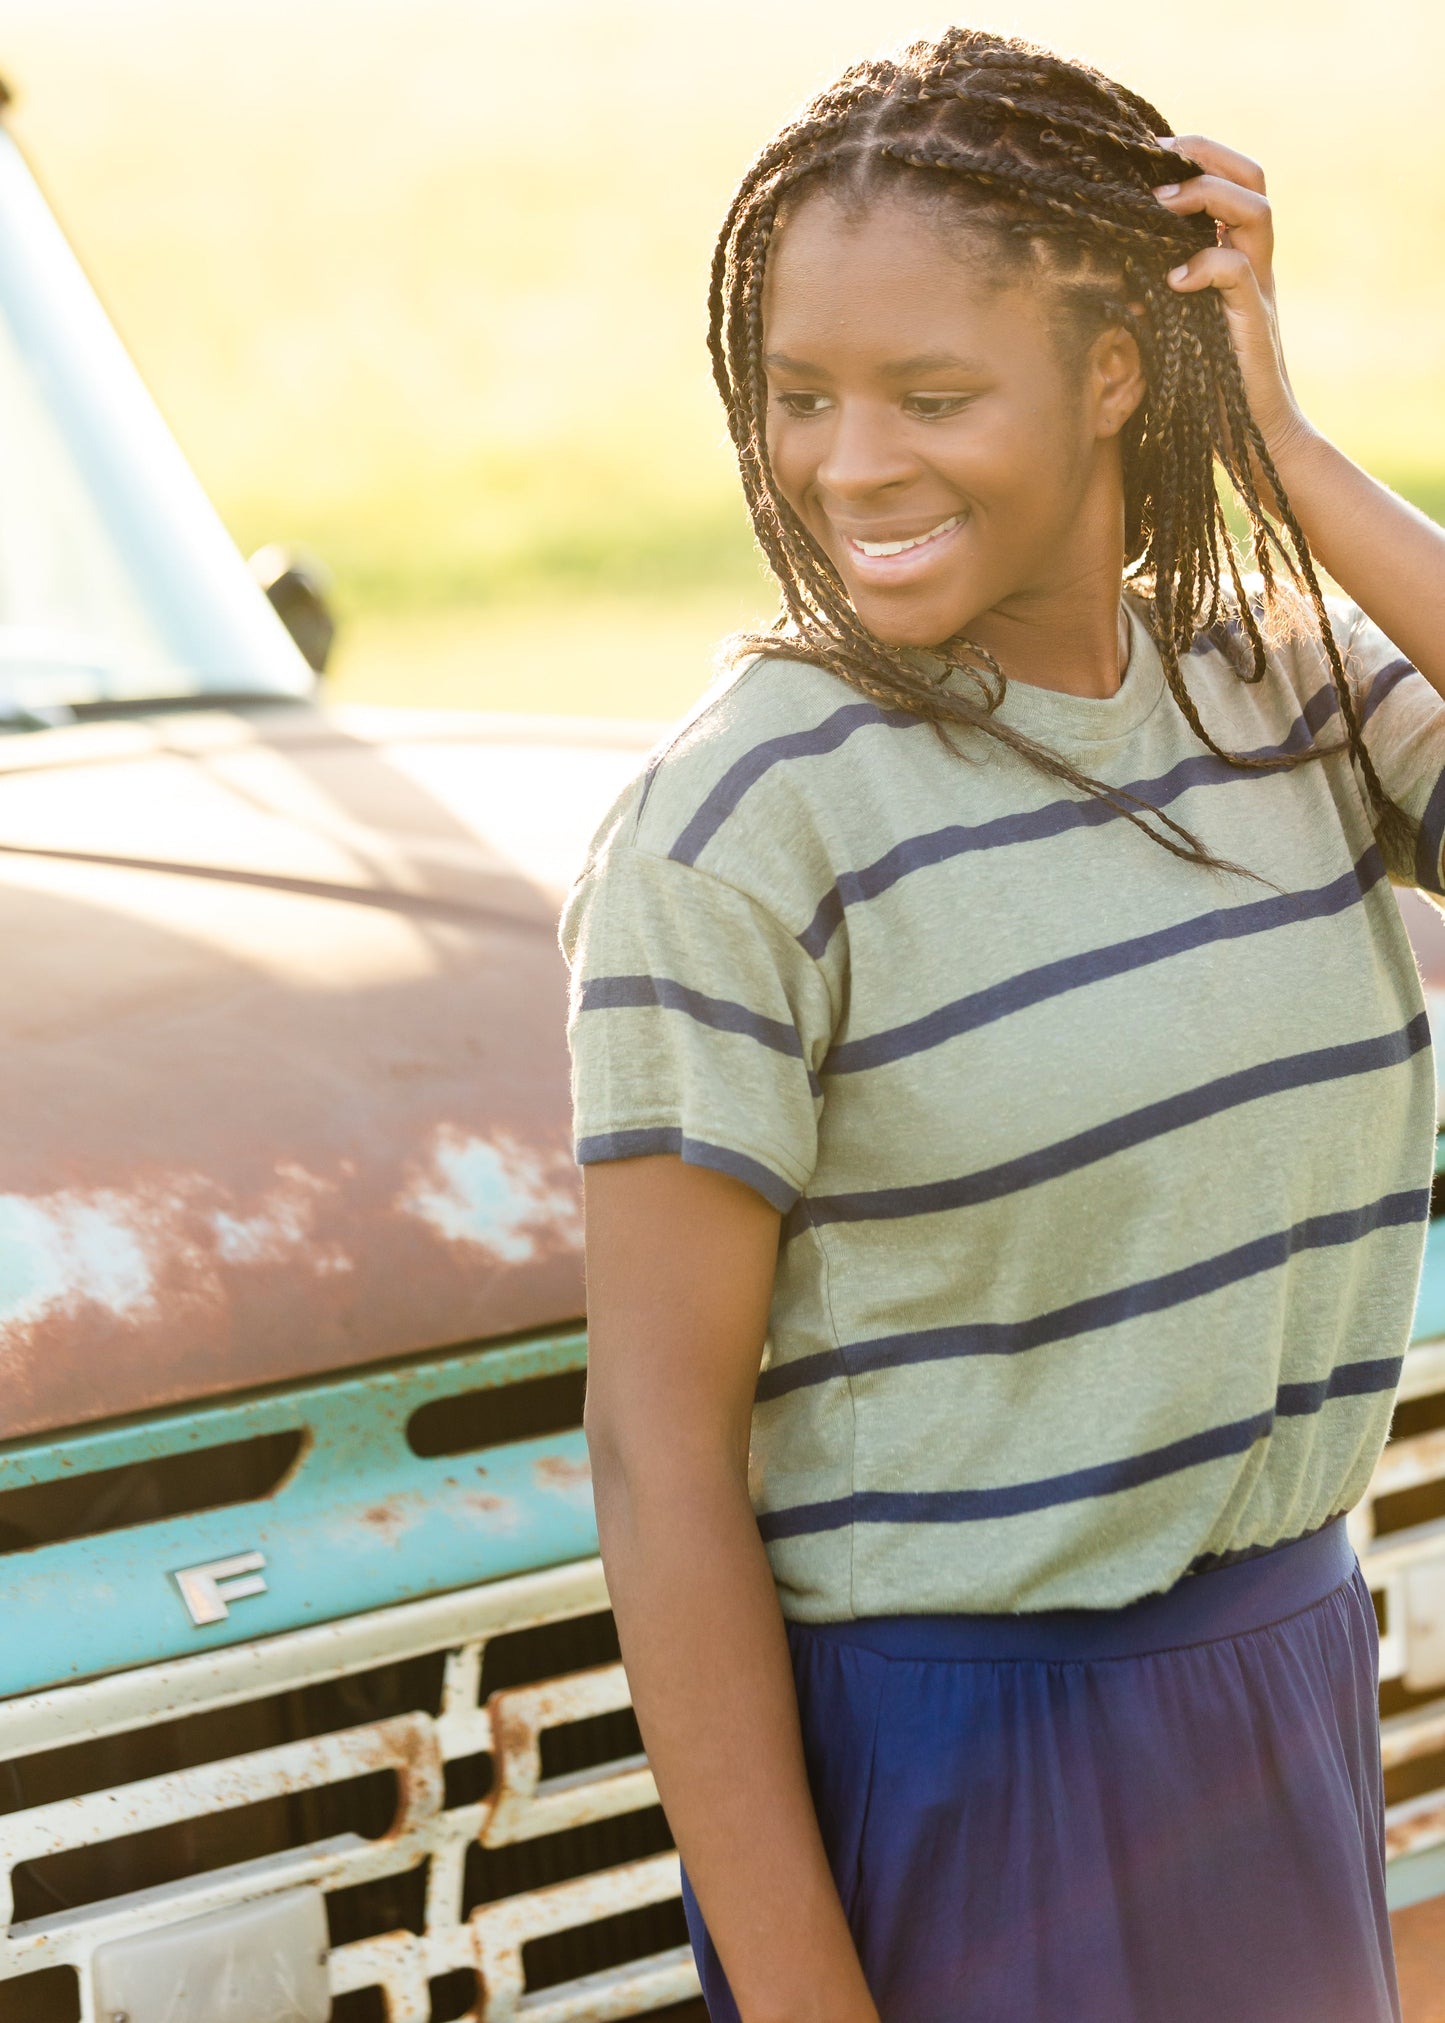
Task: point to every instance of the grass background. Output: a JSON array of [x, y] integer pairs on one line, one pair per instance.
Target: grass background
[[419, 283]]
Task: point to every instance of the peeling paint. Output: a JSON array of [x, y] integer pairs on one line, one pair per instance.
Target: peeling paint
[[59, 1249], [112, 1248], [497, 1195], [280, 1224]]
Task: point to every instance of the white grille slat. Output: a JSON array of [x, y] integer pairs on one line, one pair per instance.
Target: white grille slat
[[525, 1804], [1416, 1826], [1410, 1463], [670, 1977], [500, 1930], [1424, 1371], [1404, 1737], [407, 1744], [1396, 1551]]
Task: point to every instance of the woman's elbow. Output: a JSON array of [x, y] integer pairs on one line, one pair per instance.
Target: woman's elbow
[[639, 1456]]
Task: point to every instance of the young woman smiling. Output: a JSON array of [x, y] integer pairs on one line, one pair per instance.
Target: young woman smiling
[[1005, 1097]]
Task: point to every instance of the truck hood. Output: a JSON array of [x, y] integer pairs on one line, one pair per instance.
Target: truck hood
[[285, 1078]]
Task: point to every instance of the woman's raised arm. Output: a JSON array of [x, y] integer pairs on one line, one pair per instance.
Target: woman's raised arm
[[680, 1264], [1383, 553]]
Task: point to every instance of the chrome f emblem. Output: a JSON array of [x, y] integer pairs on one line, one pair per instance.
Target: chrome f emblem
[[206, 1590]]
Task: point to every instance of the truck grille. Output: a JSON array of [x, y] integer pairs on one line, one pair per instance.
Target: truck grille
[[1399, 1532], [461, 1775]]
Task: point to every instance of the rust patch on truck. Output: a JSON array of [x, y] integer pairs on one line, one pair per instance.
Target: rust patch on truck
[[555, 1471], [393, 1516]]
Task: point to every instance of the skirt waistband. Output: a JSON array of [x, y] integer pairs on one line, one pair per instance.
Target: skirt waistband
[[1225, 1601]]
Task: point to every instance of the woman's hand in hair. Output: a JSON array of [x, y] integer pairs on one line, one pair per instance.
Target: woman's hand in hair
[[1383, 553], [1231, 191]]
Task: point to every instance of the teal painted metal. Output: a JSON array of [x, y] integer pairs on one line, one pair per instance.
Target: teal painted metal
[[360, 1522], [1430, 1305], [1414, 1877]]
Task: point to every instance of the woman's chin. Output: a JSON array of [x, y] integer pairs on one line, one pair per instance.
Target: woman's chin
[[922, 624]]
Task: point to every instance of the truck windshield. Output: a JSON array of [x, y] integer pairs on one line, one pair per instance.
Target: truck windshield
[[118, 583]]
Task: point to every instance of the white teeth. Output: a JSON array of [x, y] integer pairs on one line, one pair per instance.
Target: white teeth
[[901, 547]]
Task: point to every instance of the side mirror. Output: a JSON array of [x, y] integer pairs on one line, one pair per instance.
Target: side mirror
[[298, 585]]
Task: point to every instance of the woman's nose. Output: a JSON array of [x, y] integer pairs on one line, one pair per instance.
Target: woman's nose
[[864, 453]]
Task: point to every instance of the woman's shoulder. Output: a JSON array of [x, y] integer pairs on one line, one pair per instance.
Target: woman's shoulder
[[1297, 685], [731, 770]]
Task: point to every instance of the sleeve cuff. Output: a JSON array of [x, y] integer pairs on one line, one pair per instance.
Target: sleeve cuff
[[639, 1144]]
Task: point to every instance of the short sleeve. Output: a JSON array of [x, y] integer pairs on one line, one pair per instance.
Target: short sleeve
[[1403, 719], [697, 1024]]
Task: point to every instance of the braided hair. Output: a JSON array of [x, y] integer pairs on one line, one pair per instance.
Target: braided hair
[[1057, 164]]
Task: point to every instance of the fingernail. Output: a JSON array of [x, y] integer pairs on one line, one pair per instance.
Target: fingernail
[[1179, 273], [1167, 190]]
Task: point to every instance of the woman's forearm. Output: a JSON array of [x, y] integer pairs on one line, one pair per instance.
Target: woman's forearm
[[707, 1658], [1383, 553]]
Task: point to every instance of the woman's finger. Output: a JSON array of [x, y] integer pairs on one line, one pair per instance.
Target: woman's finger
[[1226, 268], [1245, 216], [1238, 209], [1216, 159]]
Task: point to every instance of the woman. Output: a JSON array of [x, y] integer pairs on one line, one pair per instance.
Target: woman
[[1005, 1098]]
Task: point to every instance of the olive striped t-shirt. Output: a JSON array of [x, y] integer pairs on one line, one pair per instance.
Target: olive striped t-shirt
[[1104, 1178]]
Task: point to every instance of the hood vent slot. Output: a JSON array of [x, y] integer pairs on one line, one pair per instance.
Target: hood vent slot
[[86, 1505], [497, 1415]]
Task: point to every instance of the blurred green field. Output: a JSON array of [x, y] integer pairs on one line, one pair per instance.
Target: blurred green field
[[419, 282]]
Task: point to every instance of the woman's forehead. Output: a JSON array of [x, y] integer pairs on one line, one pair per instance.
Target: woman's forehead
[[891, 278]]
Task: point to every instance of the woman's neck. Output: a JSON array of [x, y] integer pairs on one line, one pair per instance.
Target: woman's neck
[[1074, 638]]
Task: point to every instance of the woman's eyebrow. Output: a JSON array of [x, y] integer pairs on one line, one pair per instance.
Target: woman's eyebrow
[[783, 363], [932, 361], [902, 368]]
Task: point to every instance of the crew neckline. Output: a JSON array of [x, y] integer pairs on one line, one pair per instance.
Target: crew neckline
[[1051, 714]]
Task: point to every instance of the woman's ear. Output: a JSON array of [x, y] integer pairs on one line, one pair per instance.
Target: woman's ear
[[1115, 378]]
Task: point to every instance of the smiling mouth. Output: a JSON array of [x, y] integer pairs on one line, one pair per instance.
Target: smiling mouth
[[872, 548]]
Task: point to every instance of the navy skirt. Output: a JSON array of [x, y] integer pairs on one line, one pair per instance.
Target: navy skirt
[[1168, 1813]]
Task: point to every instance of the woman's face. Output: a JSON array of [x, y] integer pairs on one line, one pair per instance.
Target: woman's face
[[912, 399]]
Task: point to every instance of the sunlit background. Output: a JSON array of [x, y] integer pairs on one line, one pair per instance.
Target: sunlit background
[[419, 283]]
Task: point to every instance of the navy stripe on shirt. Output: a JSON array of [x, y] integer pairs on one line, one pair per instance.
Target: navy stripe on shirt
[[1381, 682], [607, 1145], [1099, 1310], [1106, 1478], [918, 853], [724, 1015], [1274, 1077], [1095, 965], [745, 772]]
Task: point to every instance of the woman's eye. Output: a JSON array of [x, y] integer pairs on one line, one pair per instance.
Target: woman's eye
[[801, 405], [936, 406]]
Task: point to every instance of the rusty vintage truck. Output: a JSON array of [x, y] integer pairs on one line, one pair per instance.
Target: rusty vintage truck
[[309, 1695], [300, 1614]]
